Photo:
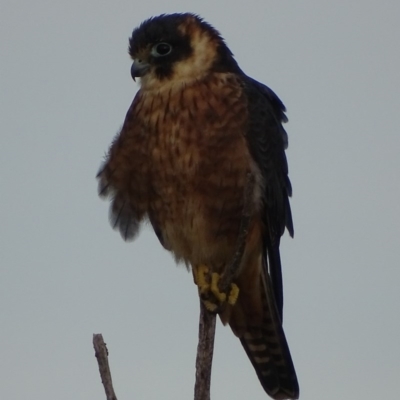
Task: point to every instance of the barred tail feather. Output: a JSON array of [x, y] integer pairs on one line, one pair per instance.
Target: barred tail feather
[[268, 351]]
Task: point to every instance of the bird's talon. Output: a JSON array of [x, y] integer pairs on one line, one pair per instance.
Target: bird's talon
[[210, 306], [200, 274], [213, 299], [221, 297], [234, 294]]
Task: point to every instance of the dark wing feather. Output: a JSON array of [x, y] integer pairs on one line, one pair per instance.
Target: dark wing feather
[[267, 140]]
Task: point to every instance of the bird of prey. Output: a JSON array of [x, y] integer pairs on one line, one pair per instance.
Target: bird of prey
[[196, 129]]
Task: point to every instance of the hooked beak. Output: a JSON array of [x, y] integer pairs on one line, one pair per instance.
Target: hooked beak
[[139, 68]]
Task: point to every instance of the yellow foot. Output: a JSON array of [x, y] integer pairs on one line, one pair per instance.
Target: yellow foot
[[210, 305], [200, 278], [234, 294], [221, 297], [213, 299]]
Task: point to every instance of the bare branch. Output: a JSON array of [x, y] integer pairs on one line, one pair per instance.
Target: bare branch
[[205, 350], [101, 353]]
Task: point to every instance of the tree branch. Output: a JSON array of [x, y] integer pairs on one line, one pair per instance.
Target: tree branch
[[101, 353], [205, 350]]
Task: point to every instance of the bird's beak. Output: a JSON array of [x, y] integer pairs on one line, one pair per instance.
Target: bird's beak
[[139, 68]]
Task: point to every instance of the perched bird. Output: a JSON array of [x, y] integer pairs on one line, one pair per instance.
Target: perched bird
[[196, 129]]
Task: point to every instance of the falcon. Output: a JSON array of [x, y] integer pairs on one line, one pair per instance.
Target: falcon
[[196, 129]]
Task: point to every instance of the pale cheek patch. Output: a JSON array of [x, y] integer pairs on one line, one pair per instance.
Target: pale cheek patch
[[201, 60]]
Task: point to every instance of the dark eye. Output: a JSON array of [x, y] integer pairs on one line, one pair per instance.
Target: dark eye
[[161, 49]]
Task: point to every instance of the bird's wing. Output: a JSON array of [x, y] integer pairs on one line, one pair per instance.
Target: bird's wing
[[265, 341], [267, 141], [123, 175]]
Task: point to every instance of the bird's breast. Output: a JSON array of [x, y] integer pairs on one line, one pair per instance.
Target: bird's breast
[[198, 160]]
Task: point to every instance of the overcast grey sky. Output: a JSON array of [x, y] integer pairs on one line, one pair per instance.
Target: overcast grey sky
[[65, 274]]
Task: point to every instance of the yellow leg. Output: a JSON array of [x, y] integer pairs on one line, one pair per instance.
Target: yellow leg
[[221, 297], [210, 305], [201, 278], [234, 294]]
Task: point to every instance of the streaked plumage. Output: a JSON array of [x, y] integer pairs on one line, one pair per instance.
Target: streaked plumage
[[195, 129]]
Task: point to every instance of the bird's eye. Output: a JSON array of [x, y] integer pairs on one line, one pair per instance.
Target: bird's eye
[[161, 49]]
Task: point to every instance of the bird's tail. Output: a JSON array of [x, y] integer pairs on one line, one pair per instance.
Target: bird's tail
[[268, 350]]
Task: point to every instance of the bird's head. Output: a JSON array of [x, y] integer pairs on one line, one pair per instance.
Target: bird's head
[[177, 49]]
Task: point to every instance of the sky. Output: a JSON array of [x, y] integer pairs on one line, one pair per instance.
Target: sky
[[65, 274]]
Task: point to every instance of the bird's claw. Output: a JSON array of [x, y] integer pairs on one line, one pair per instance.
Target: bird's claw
[[213, 299]]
